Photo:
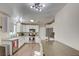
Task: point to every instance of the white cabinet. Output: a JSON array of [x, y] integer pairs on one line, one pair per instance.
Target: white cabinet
[[24, 28], [19, 27], [21, 41], [10, 24], [27, 39], [37, 39], [27, 27], [36, 27], [8, 42], [6, 23], [0, 21]]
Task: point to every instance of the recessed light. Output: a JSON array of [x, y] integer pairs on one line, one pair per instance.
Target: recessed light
[[31, 7], [43, 5], [31, 20]]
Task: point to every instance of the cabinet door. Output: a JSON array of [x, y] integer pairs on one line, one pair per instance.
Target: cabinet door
[[10, 25], [18, 27], [24, 28], [4, 24], [36, 27], [0, 21], [27, 28]]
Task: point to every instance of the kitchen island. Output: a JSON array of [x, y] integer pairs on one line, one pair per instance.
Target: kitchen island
[[14, 43], [17, 42]]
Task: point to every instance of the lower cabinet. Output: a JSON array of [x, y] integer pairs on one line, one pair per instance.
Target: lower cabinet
[[17, 43], [4, 50], [14, 45], [21, 41], [27, 39]]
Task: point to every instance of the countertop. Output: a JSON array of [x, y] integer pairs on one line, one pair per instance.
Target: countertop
[[14, 38], [11, 39]]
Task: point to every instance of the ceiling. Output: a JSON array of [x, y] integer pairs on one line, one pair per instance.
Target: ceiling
[[24, 10]]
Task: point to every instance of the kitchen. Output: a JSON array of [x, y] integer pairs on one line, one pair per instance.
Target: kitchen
[[17, 29], [17, 36]]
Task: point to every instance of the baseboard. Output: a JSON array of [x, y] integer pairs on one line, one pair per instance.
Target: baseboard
[[66, 45]]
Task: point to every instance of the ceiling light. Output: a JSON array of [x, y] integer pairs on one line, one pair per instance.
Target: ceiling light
[[31, 20], [38, 6]]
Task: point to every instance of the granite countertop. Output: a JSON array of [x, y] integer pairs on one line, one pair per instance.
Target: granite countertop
[[3, 45], [14, 38], [11, 39]]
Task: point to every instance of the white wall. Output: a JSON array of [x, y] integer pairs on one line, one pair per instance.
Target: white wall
[[0, 21], [67, 25], [0, 29], [42, 33]]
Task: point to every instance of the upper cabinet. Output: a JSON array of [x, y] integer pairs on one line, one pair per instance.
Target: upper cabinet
[[0, 22], [25, 28], [11, 26], [18, 27], [36, 27], [6, 23]]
